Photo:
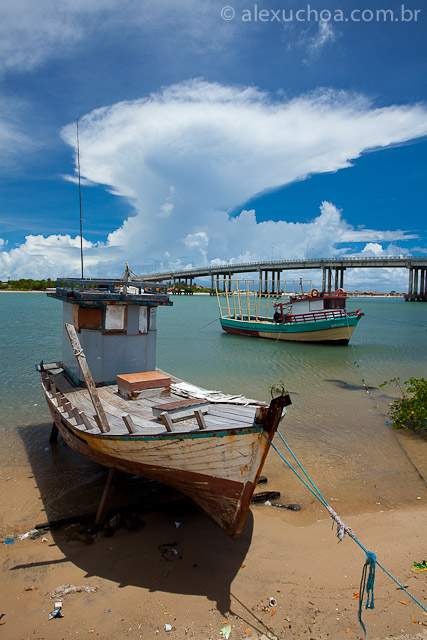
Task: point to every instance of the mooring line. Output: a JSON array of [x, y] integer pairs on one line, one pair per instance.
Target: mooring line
[[342, 529]]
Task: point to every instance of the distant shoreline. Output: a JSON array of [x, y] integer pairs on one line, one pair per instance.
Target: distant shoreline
[[350, 294]]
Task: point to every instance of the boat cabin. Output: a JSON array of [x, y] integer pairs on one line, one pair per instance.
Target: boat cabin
[[314, 301], [116, 324]]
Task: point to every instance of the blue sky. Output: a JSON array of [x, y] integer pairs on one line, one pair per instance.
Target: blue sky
[[211, 131]]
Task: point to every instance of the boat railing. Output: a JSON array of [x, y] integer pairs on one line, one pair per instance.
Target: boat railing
[[316, 316], [255, 299]]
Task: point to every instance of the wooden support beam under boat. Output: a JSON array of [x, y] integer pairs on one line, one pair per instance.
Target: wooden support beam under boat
[[53, 434], [84, 368], [102, 505]]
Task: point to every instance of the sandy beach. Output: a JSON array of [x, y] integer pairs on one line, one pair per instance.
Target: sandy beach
[[293, 557]]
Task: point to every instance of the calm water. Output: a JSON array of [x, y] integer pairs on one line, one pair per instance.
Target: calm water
[[334, 425]]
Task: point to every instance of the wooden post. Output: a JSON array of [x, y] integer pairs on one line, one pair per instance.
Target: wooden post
[[85, 420], [130, 425], [274, 413], [200, 419], [76, 415], [101, 509], [166, 419], [84, 368], [248, 302], [68, 408], [227, 299]]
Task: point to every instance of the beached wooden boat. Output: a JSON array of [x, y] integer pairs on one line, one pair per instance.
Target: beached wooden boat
[[110, 403], [313, 316]]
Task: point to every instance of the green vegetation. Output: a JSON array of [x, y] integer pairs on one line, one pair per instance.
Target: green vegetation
[[278, 389], [410, 411], [28, 284]]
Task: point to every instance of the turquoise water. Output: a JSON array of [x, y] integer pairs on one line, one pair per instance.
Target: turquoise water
[[333, 423]]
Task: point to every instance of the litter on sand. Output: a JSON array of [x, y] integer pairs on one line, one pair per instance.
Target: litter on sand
[[22, 536], [56, 613], [67, 589], [225, 631]]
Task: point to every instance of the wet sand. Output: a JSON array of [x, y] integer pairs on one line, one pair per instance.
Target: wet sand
[[293, 557]]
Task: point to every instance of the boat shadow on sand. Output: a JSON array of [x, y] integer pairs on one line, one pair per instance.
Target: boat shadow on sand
[[194, 557]]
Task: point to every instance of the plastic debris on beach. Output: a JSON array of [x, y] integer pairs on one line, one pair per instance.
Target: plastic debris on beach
[[9, 540], [419, 567], [67, 589], [37, 533], [168, 627], [56, 613], [22, 536], [273, 602], [225, 631]]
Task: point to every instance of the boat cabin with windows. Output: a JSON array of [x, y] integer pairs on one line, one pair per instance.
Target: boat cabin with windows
[[115, 322]]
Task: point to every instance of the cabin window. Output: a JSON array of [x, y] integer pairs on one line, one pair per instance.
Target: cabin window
[[143, 321], [87, 317], [115, 317], [334, 303]]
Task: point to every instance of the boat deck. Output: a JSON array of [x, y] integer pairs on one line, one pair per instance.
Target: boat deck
[[219, 411]]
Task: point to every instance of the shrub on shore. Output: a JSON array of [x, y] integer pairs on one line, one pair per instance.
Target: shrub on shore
[[409, 411]]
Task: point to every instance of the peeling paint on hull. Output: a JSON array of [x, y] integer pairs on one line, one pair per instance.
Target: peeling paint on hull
[[218, 471]]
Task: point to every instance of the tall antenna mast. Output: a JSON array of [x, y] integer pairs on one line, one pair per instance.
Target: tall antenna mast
[[80, 198]]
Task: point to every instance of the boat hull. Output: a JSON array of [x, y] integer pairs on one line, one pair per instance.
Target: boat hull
[[218, 471], [335, 330]]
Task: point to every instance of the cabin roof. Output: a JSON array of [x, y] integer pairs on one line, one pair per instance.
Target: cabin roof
[[100, 290]]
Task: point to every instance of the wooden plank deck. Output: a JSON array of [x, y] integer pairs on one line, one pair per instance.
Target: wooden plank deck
[[220, 416]]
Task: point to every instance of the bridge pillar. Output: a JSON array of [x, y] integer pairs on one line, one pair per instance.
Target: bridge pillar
[[212, 292], [417, 287], [324, 279], [329, 279], [411, 279], [278, 281]]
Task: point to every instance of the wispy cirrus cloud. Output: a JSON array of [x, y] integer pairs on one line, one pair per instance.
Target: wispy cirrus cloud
[[32, 33]]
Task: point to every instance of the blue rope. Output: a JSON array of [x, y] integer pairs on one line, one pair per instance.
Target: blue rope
[[367, 585], [371, 559]]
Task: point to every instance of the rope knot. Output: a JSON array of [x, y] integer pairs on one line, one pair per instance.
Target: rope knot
[[342, 528]]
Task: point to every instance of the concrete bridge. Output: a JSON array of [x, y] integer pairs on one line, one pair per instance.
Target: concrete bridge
[[332, 272]]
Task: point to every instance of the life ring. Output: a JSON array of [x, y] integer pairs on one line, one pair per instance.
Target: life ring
[[340, 291], [314, 293]]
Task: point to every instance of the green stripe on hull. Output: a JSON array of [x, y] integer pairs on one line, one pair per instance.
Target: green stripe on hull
[[300, 327]]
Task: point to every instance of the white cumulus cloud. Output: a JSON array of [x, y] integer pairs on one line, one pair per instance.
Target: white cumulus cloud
[[187, 156]]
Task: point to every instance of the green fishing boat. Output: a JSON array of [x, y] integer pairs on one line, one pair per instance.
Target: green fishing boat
[[312, 316]]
